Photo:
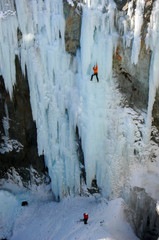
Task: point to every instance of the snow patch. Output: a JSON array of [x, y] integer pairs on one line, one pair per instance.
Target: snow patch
[[71, 3], [8, 210], [8, 145]]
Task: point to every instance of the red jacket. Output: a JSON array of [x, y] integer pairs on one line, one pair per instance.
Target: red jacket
[[95, 69], [85, 215]]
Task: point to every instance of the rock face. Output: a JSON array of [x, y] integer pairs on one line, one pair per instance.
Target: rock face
[[120, 4], [72, 27], [133, 82], [133, 78], [142, 214], [18, 140], [155, 112]]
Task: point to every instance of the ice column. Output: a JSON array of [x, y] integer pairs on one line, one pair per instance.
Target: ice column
[[137, 30], [6, 121], [96, 47], [152, 41], [8, 43], [104, 127], [50, 81]]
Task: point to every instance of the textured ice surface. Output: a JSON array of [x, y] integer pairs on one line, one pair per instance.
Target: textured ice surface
[[63, 97]]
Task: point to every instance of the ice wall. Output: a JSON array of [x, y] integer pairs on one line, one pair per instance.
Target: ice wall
[[106, 142], [152, 41], [51, 82], [8, 43], [137, 30], [63, 97]]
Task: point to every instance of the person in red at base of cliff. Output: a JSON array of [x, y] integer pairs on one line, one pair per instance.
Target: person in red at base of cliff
[[85, 215]]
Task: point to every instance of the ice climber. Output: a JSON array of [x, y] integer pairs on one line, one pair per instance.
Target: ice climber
[[85, 215], [95, 69]]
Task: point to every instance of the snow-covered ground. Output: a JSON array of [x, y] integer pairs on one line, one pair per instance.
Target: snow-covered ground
[[48, 220]]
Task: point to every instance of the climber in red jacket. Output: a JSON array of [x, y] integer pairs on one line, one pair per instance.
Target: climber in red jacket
[[95, 69], [85, 215]]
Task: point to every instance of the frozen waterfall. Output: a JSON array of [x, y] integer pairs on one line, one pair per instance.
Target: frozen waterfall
[[63, 99], [152, 41]]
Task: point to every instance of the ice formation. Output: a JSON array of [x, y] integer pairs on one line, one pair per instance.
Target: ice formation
[[157, 207], [63, 99], [152, 41], [8, 43], [137, 30]]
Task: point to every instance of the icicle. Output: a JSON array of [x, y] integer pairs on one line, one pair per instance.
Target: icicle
[[130, 12], [6, 121], [152, 41], [137, 31], [8, 46]]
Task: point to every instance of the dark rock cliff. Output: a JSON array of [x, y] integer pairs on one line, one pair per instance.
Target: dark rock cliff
[[72, 27], [133, 79]]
